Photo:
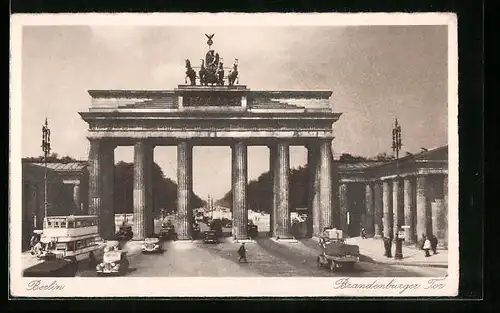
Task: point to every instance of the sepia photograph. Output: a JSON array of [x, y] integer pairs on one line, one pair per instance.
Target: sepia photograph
[[234, 155]]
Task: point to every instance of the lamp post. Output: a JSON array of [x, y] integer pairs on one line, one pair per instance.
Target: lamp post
[[46, 153], [396, 147]]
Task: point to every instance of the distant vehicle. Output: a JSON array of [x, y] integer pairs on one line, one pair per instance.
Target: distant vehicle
[[335, 252], [196, 231], [216, 225], [210, 236], [152, 245], [124, 233], [73, 237], [167, 232], [252, 231], [114, 261]]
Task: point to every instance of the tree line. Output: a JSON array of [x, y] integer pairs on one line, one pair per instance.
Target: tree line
[[164, 189]]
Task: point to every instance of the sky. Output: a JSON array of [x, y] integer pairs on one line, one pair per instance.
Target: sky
[[376, 73]]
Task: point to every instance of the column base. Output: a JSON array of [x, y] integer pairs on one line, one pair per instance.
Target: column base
[[290, 240], [245, 240]]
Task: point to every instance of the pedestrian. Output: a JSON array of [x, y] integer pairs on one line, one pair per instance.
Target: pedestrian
[[424, 237], [427, 247], [434, 243], [363, 233], [242, 253], [389, 243]]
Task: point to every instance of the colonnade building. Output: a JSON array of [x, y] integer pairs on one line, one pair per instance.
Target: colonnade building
[[409, 194]]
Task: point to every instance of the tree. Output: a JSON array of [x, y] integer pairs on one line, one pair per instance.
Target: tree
[[346, 157], [384, 156], [164, 190]]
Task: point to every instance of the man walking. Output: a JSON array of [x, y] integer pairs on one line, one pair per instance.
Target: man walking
[[434, 244], [242, 253]]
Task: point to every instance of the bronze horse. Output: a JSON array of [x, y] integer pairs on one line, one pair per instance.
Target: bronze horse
[[233, 75], [190, 73]]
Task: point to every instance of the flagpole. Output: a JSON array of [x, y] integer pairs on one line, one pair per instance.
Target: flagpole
[[46, 152]]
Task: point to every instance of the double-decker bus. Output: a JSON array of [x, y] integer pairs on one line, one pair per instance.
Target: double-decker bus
[[73, 237]]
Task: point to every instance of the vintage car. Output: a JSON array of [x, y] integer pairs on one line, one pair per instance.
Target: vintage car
[[167, 232], [124, 233], [335, 252], [210, 236], [252, 231], [152, 245], [114, 260], [196, 231]]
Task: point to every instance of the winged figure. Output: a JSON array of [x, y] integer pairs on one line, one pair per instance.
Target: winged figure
[[210, 36]]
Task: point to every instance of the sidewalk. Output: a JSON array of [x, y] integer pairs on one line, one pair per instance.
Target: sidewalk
[[374, 249]]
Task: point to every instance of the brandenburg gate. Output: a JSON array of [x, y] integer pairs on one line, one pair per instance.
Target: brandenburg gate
[[212, 110]]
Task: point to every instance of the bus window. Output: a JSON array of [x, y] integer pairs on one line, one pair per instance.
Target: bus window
[[60, 247], [49, 223], [63, 224], [71, 246], [78, 224], [79, 244], [71, 224], [56, 223]]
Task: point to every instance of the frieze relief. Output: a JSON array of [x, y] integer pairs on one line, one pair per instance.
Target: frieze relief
[[212, 100], [265, 125]]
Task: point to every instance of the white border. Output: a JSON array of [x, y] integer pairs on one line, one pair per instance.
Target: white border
[[227, 286]]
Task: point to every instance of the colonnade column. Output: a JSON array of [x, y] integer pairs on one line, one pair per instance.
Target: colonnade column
[[378, 209], [343, 208], [239, 169], [143, 211], [316, 195], [95, 177], [76, 196], [313, 218], [326, 194], [369, 203], [272, 170], [397, 205], [282, 196], [445, 192], [421, 207], [184, 189], [387, 208], [408, 211], [107, 211]]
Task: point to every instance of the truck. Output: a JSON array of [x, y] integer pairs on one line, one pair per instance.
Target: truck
[[335, 253]]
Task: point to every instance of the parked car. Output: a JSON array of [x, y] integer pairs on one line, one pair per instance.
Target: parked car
[[114, 261], [210, 236], [124, 233], [252, 231], [335, 253], [167, 232], [152, 245]]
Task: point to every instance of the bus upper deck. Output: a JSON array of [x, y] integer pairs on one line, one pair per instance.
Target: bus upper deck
[[67, 228]]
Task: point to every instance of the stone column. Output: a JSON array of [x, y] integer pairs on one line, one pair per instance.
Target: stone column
[[408, 211], [76, 195], [316, 196], [397, 205], [439, 221], [421, 208], [107, 212], [282, 218], [95, 177], [378, 209], [313, 219], [343, 208], [326, 192], [273, 153], [445, 192], [387, 207], [143, 185], [369, 203], [240, 211], [184, 184]]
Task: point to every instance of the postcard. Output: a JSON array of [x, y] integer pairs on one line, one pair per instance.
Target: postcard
[[249, 155]]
